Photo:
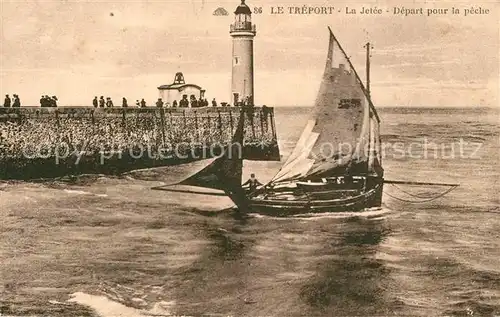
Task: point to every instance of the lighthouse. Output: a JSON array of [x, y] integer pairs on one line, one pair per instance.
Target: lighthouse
[[242, 31]]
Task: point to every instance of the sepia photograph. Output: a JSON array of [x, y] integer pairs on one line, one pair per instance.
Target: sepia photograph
[[249, 158]]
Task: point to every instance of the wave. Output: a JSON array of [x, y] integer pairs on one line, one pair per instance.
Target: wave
[[82, 192], [106, 307], [78, 192], [369, 213], [471, 308]]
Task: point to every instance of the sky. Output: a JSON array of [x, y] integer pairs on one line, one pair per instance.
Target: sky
[[81, 49]]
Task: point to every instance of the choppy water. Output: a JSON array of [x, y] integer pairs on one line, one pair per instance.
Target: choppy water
[[111, 246]]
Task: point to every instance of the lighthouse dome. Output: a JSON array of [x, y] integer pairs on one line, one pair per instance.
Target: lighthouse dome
[[243, 9]]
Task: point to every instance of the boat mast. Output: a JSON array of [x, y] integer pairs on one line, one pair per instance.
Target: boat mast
[[368, 47]]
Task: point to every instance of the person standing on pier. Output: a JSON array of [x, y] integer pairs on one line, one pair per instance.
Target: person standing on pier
[[109, 102], [143, 103], [101, 102], [44, 101], [194, 103], [53, 101], [214, 103], [17, 102], [94, 102], [184, 103], [124, 102], [174, 104], [247, 102], [6, 102], [159, 103]]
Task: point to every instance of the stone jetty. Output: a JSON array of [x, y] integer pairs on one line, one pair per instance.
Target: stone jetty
[[52, 142]]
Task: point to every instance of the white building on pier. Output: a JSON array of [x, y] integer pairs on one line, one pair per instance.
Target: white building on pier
[[178, 89]]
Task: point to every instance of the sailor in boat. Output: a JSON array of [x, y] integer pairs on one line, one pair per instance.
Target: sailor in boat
[[252, 183]]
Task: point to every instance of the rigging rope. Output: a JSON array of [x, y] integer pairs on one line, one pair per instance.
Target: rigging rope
[[411, 194], [424, 200]]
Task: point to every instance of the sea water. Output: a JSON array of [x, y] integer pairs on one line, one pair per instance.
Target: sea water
[[105, 246]]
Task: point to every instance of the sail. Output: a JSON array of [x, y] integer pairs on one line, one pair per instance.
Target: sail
[[339, 137], [298, 162], [374, 149], [225, 172]]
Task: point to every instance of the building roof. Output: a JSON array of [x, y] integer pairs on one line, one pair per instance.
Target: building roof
[[243, 9], [177, 86]]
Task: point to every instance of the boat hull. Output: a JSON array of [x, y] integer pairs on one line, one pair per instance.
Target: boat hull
[[355, 203]]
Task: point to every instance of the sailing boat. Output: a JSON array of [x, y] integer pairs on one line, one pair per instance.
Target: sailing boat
[[336, 164]]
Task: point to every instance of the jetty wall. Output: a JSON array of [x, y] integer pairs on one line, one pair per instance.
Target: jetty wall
[[52, 142]]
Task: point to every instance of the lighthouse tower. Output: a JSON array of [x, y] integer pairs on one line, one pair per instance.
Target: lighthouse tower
[[242, 31]]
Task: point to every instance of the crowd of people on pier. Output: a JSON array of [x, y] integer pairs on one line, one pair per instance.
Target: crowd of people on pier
[[192, 102], [101, 102], [47, 101], [15, 102]]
